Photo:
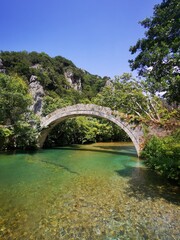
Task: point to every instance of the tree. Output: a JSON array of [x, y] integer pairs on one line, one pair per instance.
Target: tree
[[129, 96], [158, 52], [82, 130], [15, 127], [14, 98]]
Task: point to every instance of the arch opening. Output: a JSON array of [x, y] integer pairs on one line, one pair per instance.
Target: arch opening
[[85, 130], [51, 120]]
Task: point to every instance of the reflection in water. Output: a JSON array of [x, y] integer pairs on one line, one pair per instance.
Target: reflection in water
[[98, 191]]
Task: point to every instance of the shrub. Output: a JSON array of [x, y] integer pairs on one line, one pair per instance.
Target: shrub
[[163, 155]]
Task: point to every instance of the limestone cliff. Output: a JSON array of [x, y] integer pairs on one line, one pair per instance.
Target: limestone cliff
[[74, 81], [2, 68], [37, 93]]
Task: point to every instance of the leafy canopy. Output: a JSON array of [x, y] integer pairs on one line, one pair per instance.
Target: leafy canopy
[[15, 116], [157, 54], [14, 98], [163, 155], [132, 98]]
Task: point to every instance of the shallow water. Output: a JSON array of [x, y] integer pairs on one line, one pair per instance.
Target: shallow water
[[98, 191]]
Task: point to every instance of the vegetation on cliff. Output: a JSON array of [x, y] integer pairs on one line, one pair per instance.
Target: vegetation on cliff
[[16, 119]]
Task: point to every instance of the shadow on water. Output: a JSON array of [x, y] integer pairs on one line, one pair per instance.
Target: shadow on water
[[117, 152], [34, 152], [20, 151], [118, 148], [59, 165], [144, 183]]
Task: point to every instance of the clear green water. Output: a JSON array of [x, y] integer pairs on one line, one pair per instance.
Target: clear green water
[[98, 191]]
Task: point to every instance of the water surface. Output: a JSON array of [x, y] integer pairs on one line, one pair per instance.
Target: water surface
[[98, 191]]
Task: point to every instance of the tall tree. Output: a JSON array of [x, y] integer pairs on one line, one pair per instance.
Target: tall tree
[[158, 52], [15, 116], [14, 98]]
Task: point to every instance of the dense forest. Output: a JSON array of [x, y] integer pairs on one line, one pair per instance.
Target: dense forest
[[152, 98]]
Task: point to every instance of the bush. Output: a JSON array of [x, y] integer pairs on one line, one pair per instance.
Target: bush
[[163, 155]]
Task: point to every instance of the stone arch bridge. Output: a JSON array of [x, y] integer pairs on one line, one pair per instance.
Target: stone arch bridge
[[134, 131]]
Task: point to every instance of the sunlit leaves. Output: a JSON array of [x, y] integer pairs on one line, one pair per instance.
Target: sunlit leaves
[[15, 116], [132, 97], [158, 52], [163, 154], [83, 130], [14, 98]]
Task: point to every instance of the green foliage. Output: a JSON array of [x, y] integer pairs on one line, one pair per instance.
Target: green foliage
[[131, 97], [50, 73], [163, 155], [53, 102], [15, 128], [158, 52], [14, 98], [25, 135], [16, 63], [5, 135], [92, 84], [82, 130]]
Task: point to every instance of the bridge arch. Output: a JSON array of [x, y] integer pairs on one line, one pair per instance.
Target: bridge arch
[[51, 120]]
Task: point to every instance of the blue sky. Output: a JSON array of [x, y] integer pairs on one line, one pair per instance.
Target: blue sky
[[94, 34]]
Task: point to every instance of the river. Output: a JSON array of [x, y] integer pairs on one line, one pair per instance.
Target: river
[[97, 191]]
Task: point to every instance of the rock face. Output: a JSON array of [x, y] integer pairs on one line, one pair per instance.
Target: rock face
[[37, 66], [109, 83], [2, 68], [74, 81], [37, 92]]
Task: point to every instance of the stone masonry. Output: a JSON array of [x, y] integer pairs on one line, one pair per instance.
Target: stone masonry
[[134, 131]]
